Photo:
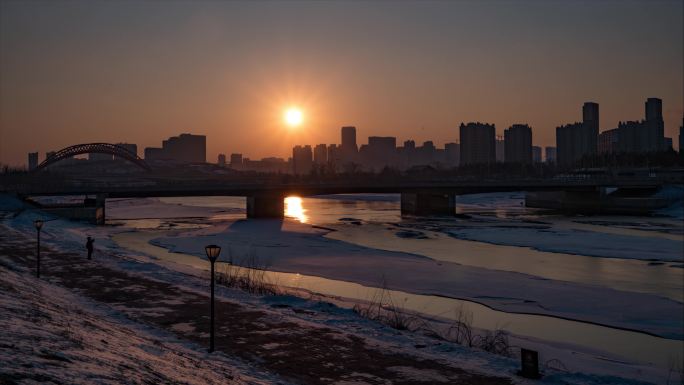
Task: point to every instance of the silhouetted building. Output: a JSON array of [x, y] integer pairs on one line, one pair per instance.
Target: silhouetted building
[[668, 144], [380, 152], [637, 136], [334, 156], [590, 118], [452, 154], [320, 154], [32, 160], [348, 148], [185, 148], [222, 160], [681, 138], [536, 154], [608, 141], [426, 154], [477, 143], [654, 125], [574, 141], [154, 153], [518, 144], [550, 154], [500, 149], [236, 161], [302, 160]]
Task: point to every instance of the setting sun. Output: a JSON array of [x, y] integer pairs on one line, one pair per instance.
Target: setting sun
[[293, 117]]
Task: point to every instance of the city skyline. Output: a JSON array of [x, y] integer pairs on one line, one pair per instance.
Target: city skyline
[[393, 69]]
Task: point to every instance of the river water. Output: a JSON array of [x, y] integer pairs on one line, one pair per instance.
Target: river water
[[374, 221]]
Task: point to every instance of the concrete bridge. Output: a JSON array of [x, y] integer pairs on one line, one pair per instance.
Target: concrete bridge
[[265, 198]]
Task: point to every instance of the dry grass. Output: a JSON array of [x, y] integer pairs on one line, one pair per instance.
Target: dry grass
[[382, 308], [247, 274]]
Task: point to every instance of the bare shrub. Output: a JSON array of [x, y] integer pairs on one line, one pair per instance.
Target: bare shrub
[[247, 274], [494, 341], [381, 308]]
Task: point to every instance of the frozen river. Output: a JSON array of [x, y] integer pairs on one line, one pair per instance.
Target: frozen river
[[639, 257]]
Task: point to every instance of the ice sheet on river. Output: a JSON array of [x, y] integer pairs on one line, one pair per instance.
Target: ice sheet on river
[[574, 241], [291, 247]]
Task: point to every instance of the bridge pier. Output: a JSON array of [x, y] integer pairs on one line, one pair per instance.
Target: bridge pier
[[427, 204], [266, 205]]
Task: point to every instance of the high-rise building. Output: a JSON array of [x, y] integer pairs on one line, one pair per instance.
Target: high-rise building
[[637, 136], [654, 125], [320, 154], [518, 144], [452, 152], [222, 160], [348, 148], [302, 160], [185, 148], [477, 143], [550, 154], [590, 118], [500, 146], [574, 141], [668, 144], [334, 156], [236, 161], [536, 154], [608, 141], [32, 160], [154, 153], [380, 152], [681, 138], [426, 154]]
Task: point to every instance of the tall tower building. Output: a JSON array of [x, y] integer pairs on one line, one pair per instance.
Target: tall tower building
[[349, 148], [681, 138], [302, 160], [32, 160], [590, 120], [478, 143], [654, 138], [320, 154], [518, 144]]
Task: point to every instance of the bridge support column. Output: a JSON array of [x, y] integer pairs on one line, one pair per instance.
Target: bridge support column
[[100, 201], [266, 206], [97, 208], [427, 204]]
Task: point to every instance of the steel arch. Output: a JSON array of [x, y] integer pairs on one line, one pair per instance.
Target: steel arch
[[100, 148]]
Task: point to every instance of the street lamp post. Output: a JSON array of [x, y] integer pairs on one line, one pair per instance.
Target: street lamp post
[[213, 252], [39, 224]]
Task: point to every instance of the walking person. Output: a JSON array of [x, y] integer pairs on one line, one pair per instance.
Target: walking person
[[89, 247]]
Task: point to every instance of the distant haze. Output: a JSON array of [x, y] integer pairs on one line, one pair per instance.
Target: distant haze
[[141, 71]]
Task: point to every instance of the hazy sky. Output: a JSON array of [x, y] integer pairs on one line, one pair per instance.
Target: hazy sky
[[141, 71]]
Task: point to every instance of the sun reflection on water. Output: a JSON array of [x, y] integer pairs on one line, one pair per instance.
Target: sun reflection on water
[[294, 209]]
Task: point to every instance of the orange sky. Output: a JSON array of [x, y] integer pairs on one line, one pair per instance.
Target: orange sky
[[76, 72]]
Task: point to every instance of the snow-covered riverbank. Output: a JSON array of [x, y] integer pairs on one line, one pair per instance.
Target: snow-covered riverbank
[[292, 244]]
